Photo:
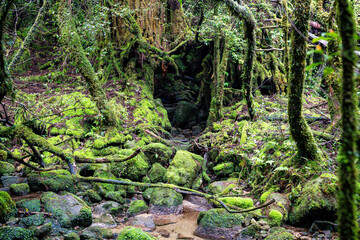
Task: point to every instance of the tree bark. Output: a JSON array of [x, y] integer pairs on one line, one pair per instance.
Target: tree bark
[[299, 129], [348, 226]]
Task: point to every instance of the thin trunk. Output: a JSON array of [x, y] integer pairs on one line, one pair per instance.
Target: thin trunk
[[348, 226], [300, 131]]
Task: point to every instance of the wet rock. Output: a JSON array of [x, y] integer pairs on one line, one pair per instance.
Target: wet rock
[[109, 207], [157, 173], [19, 189], [164, 201], [145, 221], [68, 209], [6, 168], [134, 233], [55, 181], [8, 180], [219, 224], [317, 201], [7, 207], [104, 221], [96, 233], [134, 169], [184, 168], [32, 205], [16, 233], [158, 153], [137, 206]]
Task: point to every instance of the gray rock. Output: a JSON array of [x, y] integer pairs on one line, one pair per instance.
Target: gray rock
[[109, 207], [9, 180], [104, 221], [144, 220]]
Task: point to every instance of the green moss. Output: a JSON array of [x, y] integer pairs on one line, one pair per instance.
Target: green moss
[[184, 168], [116, 196], [137, 206], [6, 168], [71, 236], [3, 155], [104, 188], [163, 197], [224, 169], [19, 189], [34, 220], [93, 196], [134, 169], [265, 195], [55, 180], [7, 207], [131, 233], [276, 218], [237, 201], [158, 152], [280, 234], [15, 233], [32, 205], [157, 173], [220, 218]]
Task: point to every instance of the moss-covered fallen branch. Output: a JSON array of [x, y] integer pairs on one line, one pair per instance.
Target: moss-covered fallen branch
[[10, 155], [107, 159], [178, 189]]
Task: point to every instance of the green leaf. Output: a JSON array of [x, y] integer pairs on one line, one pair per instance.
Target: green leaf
[[313, 66], [328, 70]]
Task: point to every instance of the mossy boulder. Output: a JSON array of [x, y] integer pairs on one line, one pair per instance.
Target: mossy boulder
[[19, 189], [71, 236], [164, 200], [157, 173], [220, 186], [7, 207], [6, 168], [317, 201], [137, 206], [103, 188], [219, 224], [184, 168], [93, 196], [97, 233], [68, 209], [42, 231], [158, 153], [131, 233], [134, 169], [55, 181], [240, 202], [278, 211], [116, 196], [224, 169], [275, 217], [33, 205], [34, 220], [280, 234], [15, 233]]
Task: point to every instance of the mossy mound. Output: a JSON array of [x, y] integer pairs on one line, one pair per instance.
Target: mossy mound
[[184, 168], [158, 153], [220, 186], [6, 168], [55, 180], [33, 205], [240, 202], [317, 201], [96, 233], [68, 209], [224, 169], [112, 138], [7, 207], [103, 188], [137, 206], [280, 234], [164, 200], [131, 233], [134, 169], [157, 173], [19, 189], [71, 236], [15, 233], [116, 196], [93, 196], [278, 211], [34, 220]]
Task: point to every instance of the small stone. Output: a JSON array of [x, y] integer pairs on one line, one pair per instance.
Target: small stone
[[181, 236], [164, 233]]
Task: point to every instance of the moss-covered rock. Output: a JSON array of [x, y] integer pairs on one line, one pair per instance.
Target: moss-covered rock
[[157, 173], [33, 205], [89, 169], [278, 210], [184, 114], [42, 231], [97, 233], [7, 207], [19, 189], [6, 168], [34, 220], [280, 234], [15, 233], [164, 200], [134, 169], [116, 196], [184, 168], [56, 181], [224, 169], [240, 202], [71, 236], [131, 233], [137, 206], [220, 186], [317, 201], [158, 153], [219, 224], [93, 196], [68, 209], [103, 188]]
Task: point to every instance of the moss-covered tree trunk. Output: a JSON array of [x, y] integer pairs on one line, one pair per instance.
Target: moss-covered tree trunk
[[300, 131], [244, 14], [5, 80], [348, 226], [285, 27], [71, 37]]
